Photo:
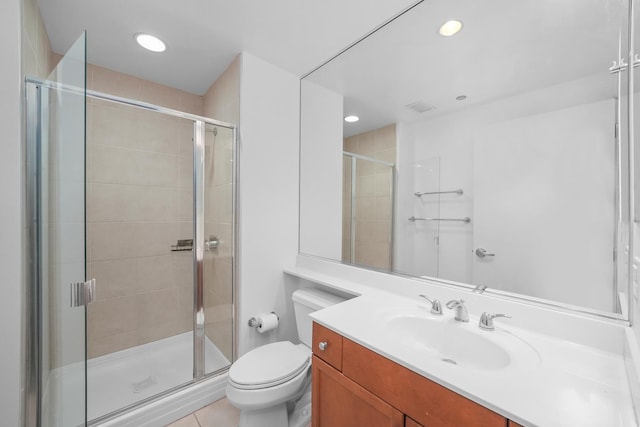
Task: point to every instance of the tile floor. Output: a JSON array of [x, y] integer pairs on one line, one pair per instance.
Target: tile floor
[[218, 414]]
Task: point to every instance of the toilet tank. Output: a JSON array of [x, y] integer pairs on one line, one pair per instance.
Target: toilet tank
[[305, 302]]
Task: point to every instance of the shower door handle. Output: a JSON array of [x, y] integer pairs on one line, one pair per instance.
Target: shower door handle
[[83, 293], [481, 253]]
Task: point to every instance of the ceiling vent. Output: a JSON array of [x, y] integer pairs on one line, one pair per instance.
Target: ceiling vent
[[420, 107]]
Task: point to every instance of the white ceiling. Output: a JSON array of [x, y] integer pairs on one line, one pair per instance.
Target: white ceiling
[[203, 36], [505, 48]]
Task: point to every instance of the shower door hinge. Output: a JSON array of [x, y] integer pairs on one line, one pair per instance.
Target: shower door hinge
[[83, 293]]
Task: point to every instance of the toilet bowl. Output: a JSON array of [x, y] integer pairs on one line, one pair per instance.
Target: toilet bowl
[[271, 384]]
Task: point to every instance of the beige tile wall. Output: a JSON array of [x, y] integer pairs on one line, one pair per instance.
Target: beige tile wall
[[221, 101], [36, 49], [139, 203], [347, 167], [373, 198]]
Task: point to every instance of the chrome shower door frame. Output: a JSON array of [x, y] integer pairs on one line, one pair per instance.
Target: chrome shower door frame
[[199, 375]]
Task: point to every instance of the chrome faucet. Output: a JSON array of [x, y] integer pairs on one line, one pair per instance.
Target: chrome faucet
[[462, 315], [436, 307], [479, 289], [486, 320]]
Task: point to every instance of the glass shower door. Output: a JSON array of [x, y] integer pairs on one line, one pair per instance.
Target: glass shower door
[[218, 257], [367, 192], [56, 167]]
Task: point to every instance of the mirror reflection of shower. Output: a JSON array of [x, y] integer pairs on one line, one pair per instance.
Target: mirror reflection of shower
[[211, 166], [534, 150], [368, 192]]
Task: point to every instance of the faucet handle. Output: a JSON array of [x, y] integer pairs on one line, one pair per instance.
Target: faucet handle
[[486, 320], [436, 307]]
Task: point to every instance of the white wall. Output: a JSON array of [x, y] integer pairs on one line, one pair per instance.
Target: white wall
[[321, 171], [269, 133], [632, 349], [543, 187], [451, 138], [634, 294], [11, 213], [634, 291]]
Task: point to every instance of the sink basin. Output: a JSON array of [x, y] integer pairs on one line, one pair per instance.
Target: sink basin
[[450, 342], [462, 344]]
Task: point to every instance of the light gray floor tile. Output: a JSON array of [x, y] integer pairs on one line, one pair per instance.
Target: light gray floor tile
[[218, 414], [188, 421]]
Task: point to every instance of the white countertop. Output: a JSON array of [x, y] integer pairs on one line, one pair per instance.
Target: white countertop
[[550, 382]]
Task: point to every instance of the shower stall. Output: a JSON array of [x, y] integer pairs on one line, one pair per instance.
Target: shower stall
[[367, 211], [132, 254]]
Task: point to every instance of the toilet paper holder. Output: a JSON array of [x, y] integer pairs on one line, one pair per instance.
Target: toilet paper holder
[[254, 322]]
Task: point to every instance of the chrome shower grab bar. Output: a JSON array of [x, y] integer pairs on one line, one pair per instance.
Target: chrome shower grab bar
[[182, 245], [618, 67], [458, 192], [465, 219]]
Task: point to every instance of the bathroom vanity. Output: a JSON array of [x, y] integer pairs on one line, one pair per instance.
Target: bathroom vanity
[[353, 385], [385, 360]]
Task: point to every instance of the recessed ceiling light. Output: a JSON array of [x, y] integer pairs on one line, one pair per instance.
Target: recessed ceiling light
[[461, 97], [351, 119], [150, 42], [449, 28]]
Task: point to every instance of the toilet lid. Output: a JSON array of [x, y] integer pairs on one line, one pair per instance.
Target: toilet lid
[[269, 365]]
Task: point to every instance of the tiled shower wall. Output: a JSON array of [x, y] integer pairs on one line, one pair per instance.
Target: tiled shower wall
[[139, 178], [373, 198], [36, 49]]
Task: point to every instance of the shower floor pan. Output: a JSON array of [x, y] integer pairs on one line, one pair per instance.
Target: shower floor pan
[[119, 379]]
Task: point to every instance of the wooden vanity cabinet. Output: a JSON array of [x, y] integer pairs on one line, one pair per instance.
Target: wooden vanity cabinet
[[408, 422], [327, 345], [340, 402], [359, 387]]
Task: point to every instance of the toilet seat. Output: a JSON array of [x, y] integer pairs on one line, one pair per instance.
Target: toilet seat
[[269, 365]]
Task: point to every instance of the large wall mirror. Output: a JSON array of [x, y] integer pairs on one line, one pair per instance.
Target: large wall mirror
[[496, 156]]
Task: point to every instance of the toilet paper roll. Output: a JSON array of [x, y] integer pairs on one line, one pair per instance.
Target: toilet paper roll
[[267, 322]]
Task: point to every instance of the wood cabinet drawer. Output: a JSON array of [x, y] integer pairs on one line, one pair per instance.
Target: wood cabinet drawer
[[426, 402], [514, 424], [339, 402], [327, 345]]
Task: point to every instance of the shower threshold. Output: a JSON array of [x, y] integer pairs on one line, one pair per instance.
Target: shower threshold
[[122, 378]]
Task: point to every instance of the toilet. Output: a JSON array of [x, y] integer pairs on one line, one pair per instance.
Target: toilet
[[271, 384]]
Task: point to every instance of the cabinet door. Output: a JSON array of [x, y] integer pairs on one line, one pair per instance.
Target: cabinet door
[[339, 402], [408, 422], [514, 424], [430, 404]]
